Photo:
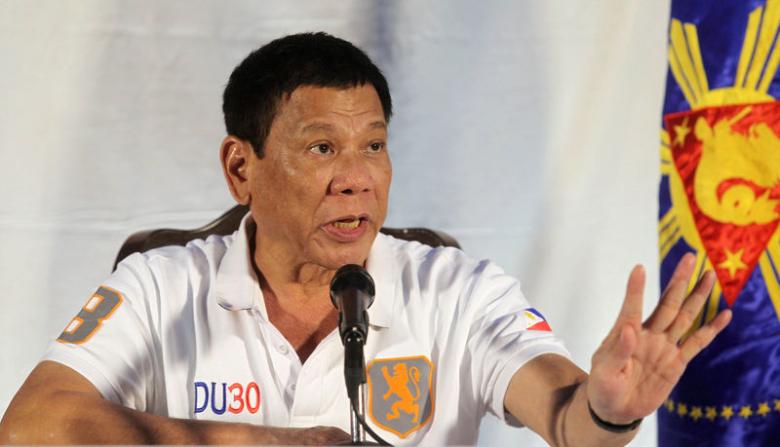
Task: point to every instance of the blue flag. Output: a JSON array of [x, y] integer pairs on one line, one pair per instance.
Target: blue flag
[[720, 199]]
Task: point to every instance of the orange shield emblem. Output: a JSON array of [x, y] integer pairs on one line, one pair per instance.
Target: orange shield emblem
[[400, 394]]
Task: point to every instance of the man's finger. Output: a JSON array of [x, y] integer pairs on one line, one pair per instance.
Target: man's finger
[[632, 304], [678, 273], [692, 306], [672, 299], [703, 336]]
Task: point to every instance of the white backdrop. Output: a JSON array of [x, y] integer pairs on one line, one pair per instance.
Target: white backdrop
[[527, 129]]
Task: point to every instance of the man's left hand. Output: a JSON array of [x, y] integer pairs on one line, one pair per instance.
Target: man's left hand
[[637, 364]]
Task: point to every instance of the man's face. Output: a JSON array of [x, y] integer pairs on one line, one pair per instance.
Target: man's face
[[319, 195]]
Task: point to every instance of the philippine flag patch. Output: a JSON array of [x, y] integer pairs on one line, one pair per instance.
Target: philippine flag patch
[[534, 321]]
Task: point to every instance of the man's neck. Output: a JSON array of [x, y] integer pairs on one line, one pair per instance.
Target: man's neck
[[302, 282], [296, 297], [300, 310], [285, 276]]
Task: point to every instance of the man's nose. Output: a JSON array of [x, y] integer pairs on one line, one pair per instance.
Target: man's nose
[[351, 175]]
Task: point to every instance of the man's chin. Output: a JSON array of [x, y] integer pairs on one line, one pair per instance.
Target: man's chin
[[335, 263], [335, 254], [336, 257]]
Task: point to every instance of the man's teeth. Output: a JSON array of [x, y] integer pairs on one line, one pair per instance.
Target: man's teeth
[[347, 224]]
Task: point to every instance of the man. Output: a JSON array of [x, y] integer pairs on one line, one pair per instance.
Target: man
[[231, 339]]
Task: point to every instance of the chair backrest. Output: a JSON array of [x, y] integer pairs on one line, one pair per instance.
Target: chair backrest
[[228, 223]]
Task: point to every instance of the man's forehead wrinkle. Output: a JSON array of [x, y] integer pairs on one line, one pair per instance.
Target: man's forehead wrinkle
[[319, 125], [316, 126]]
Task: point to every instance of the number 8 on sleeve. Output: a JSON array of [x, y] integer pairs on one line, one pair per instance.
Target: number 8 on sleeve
[[99, 307]]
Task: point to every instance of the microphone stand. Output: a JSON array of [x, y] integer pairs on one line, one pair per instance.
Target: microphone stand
[[355, 378]]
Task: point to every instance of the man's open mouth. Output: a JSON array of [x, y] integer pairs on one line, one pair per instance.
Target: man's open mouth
[[347, 224]]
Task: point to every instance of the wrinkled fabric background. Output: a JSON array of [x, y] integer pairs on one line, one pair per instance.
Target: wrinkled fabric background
[[526, 129]]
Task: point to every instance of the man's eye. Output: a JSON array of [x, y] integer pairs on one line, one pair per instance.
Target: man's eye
[[376, 147], [322, 148]]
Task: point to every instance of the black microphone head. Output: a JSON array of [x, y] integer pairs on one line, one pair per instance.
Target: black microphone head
[[351, 276]]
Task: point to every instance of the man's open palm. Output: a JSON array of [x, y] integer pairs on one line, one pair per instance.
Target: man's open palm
[[637, 364]]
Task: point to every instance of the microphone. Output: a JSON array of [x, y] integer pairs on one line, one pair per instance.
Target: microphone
[[352, 292]]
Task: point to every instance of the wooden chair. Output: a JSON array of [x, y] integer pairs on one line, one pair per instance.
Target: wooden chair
[[229, 222]]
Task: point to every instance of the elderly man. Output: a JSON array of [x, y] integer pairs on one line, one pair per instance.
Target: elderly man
[[232, 339]]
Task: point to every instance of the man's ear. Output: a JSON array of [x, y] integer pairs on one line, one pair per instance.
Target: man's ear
[[235, 155]]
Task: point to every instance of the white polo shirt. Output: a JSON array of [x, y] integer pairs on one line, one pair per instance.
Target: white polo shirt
[[183, 332]]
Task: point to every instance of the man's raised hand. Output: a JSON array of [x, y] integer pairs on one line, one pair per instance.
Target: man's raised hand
[[637, 364]]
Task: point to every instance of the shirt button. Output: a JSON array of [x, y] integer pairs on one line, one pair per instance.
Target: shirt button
[[283, 349]]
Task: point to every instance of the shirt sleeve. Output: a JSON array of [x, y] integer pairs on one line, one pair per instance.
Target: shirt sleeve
[[110, 340], [505, 333]]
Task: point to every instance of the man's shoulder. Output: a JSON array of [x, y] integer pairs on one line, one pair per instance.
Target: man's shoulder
[[414, 250], [165, 281], [441, 274], [427, 260], [198, 256]]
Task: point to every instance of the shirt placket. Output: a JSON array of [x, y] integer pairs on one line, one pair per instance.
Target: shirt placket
[[284, 362], [308, 392]]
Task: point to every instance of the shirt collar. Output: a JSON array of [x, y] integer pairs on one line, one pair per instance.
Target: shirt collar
[[237, 287], [381, 265]]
